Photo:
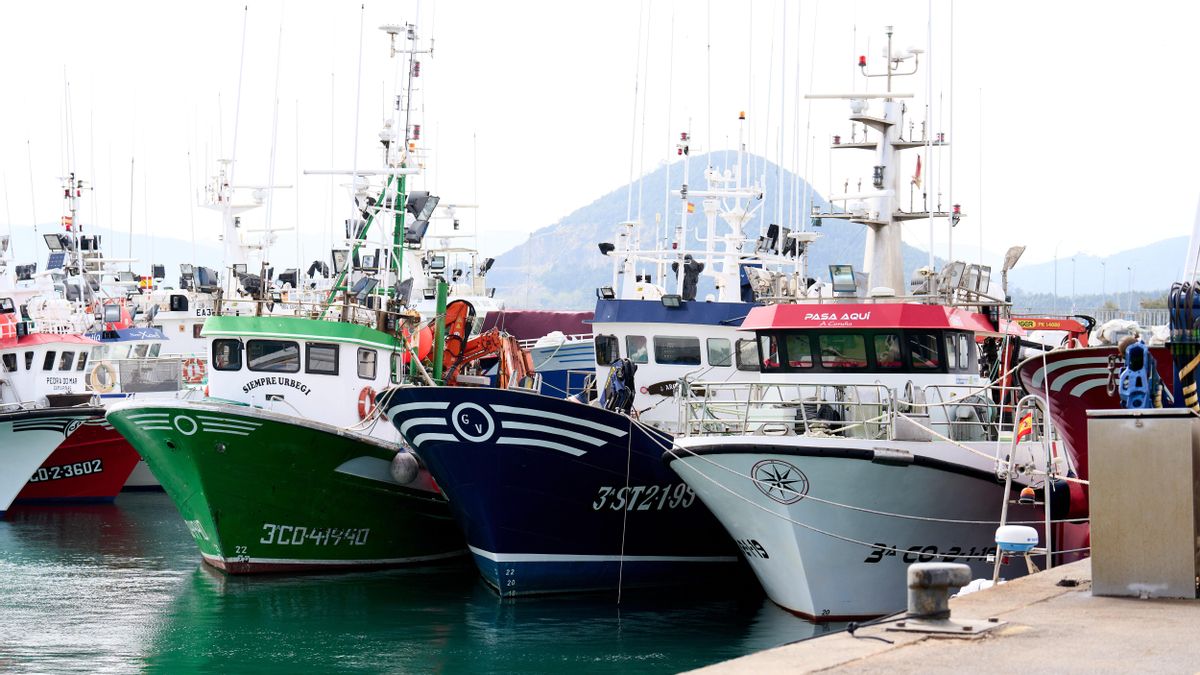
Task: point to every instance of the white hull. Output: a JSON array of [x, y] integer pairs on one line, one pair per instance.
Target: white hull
[[22, 451], [826, 578], [142, 479]]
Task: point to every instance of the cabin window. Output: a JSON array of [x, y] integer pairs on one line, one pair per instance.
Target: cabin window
[[28, 360], [227, 354], [964, 352], [924, 350], [66, 361], [397, 367], [768, 347], [951, 352], [747, 355], [606, 350], [799, 351], [635, 347], [10, 363], [676, 351], [48, 362], [273, 356], [82, 362], [178, 303], [840, 351], [154, 350], [321, 358], [196, 328], [366, 363], [887, 350], [141, 351], [720, 352]]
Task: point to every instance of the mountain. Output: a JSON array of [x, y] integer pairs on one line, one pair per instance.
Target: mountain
[[1150, 267], [560, 266]]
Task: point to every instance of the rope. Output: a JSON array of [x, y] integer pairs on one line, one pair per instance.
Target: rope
[[625, 512], [851, 540], [861, 509]]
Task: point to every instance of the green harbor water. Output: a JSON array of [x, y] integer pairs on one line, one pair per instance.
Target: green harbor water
[[119, 588]]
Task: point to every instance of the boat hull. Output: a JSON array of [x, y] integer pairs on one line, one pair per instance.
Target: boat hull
[[556, 496], [90, 466], [1078, 380], [830, 563], [264, 492], [28, 438]]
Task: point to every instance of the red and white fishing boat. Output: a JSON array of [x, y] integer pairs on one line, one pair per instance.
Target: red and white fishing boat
[[38, 412]]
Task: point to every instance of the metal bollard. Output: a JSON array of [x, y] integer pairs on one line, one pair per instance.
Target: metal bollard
[[930, 586]]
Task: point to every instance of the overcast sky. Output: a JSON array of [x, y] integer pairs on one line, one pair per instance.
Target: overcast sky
[[529, 109]]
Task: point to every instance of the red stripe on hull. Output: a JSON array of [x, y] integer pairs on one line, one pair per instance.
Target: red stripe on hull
[[91, 465]]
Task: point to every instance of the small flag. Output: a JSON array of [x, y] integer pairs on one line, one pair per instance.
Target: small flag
[[916, 179], [1024, 427], [691, 207]]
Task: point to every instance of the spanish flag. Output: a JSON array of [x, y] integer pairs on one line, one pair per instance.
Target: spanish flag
[[691, 207], [916, 179], [1024, 427]]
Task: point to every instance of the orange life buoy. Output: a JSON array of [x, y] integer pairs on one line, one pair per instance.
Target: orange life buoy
[[366, 403], [193, 371]]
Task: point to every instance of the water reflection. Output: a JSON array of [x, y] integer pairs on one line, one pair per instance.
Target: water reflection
[[119, 587]]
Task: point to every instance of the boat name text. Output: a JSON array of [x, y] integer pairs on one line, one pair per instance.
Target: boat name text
[[281, 381]]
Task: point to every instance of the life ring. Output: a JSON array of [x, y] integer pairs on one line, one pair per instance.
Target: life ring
[[193, 371], [103, 385], [366, 403]]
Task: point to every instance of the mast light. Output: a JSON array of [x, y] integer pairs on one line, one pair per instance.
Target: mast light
[[862, 61]]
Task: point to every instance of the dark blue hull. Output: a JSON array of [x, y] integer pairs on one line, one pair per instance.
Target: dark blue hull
[[555, 496]]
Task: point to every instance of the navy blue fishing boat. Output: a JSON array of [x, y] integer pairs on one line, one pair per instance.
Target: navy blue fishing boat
[[558, 496]]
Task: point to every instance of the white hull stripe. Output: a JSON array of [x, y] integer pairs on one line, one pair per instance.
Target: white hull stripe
[[541, 444], [417, 421], [1061, 381], [148, 415], [1088, 385], [556, 557], [513, 410], [422, 405], [421, 438], [331, 563], [525, 426], [1065, 363]]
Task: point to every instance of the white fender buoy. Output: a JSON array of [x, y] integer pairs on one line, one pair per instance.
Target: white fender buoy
[[404, 468]]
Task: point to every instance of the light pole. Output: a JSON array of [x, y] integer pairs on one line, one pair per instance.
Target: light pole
[[1056, 276], [1103, 281], [1130, 305], [1072, 284]]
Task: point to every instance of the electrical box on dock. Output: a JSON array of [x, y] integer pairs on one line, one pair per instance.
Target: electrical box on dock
[[1144, 497]]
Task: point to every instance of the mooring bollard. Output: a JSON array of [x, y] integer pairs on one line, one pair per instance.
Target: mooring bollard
[[930, 586]]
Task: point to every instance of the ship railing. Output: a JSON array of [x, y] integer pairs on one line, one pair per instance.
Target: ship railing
[[161, 374], [853, 410], [777, 409], [567, 340]]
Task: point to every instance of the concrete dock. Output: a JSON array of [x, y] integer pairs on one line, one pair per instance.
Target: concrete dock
[[1053, 624]]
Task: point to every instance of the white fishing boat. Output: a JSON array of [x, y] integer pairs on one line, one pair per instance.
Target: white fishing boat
[[870, 441]]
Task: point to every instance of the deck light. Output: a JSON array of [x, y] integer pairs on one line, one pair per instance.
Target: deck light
[[606, 293], [672, 301]]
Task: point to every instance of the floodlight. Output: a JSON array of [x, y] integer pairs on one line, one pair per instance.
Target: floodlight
[[672, 301], [606, 248], [487, 265], [340, 256], [843, 278], [606, 292], [421, 204], [414, 233], [55, 242]]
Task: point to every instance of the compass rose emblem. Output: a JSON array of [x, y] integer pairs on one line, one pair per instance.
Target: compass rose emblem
[[780, 481]]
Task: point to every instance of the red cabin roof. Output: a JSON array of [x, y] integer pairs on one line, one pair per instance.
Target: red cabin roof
[[908, 315], [47, 338]]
